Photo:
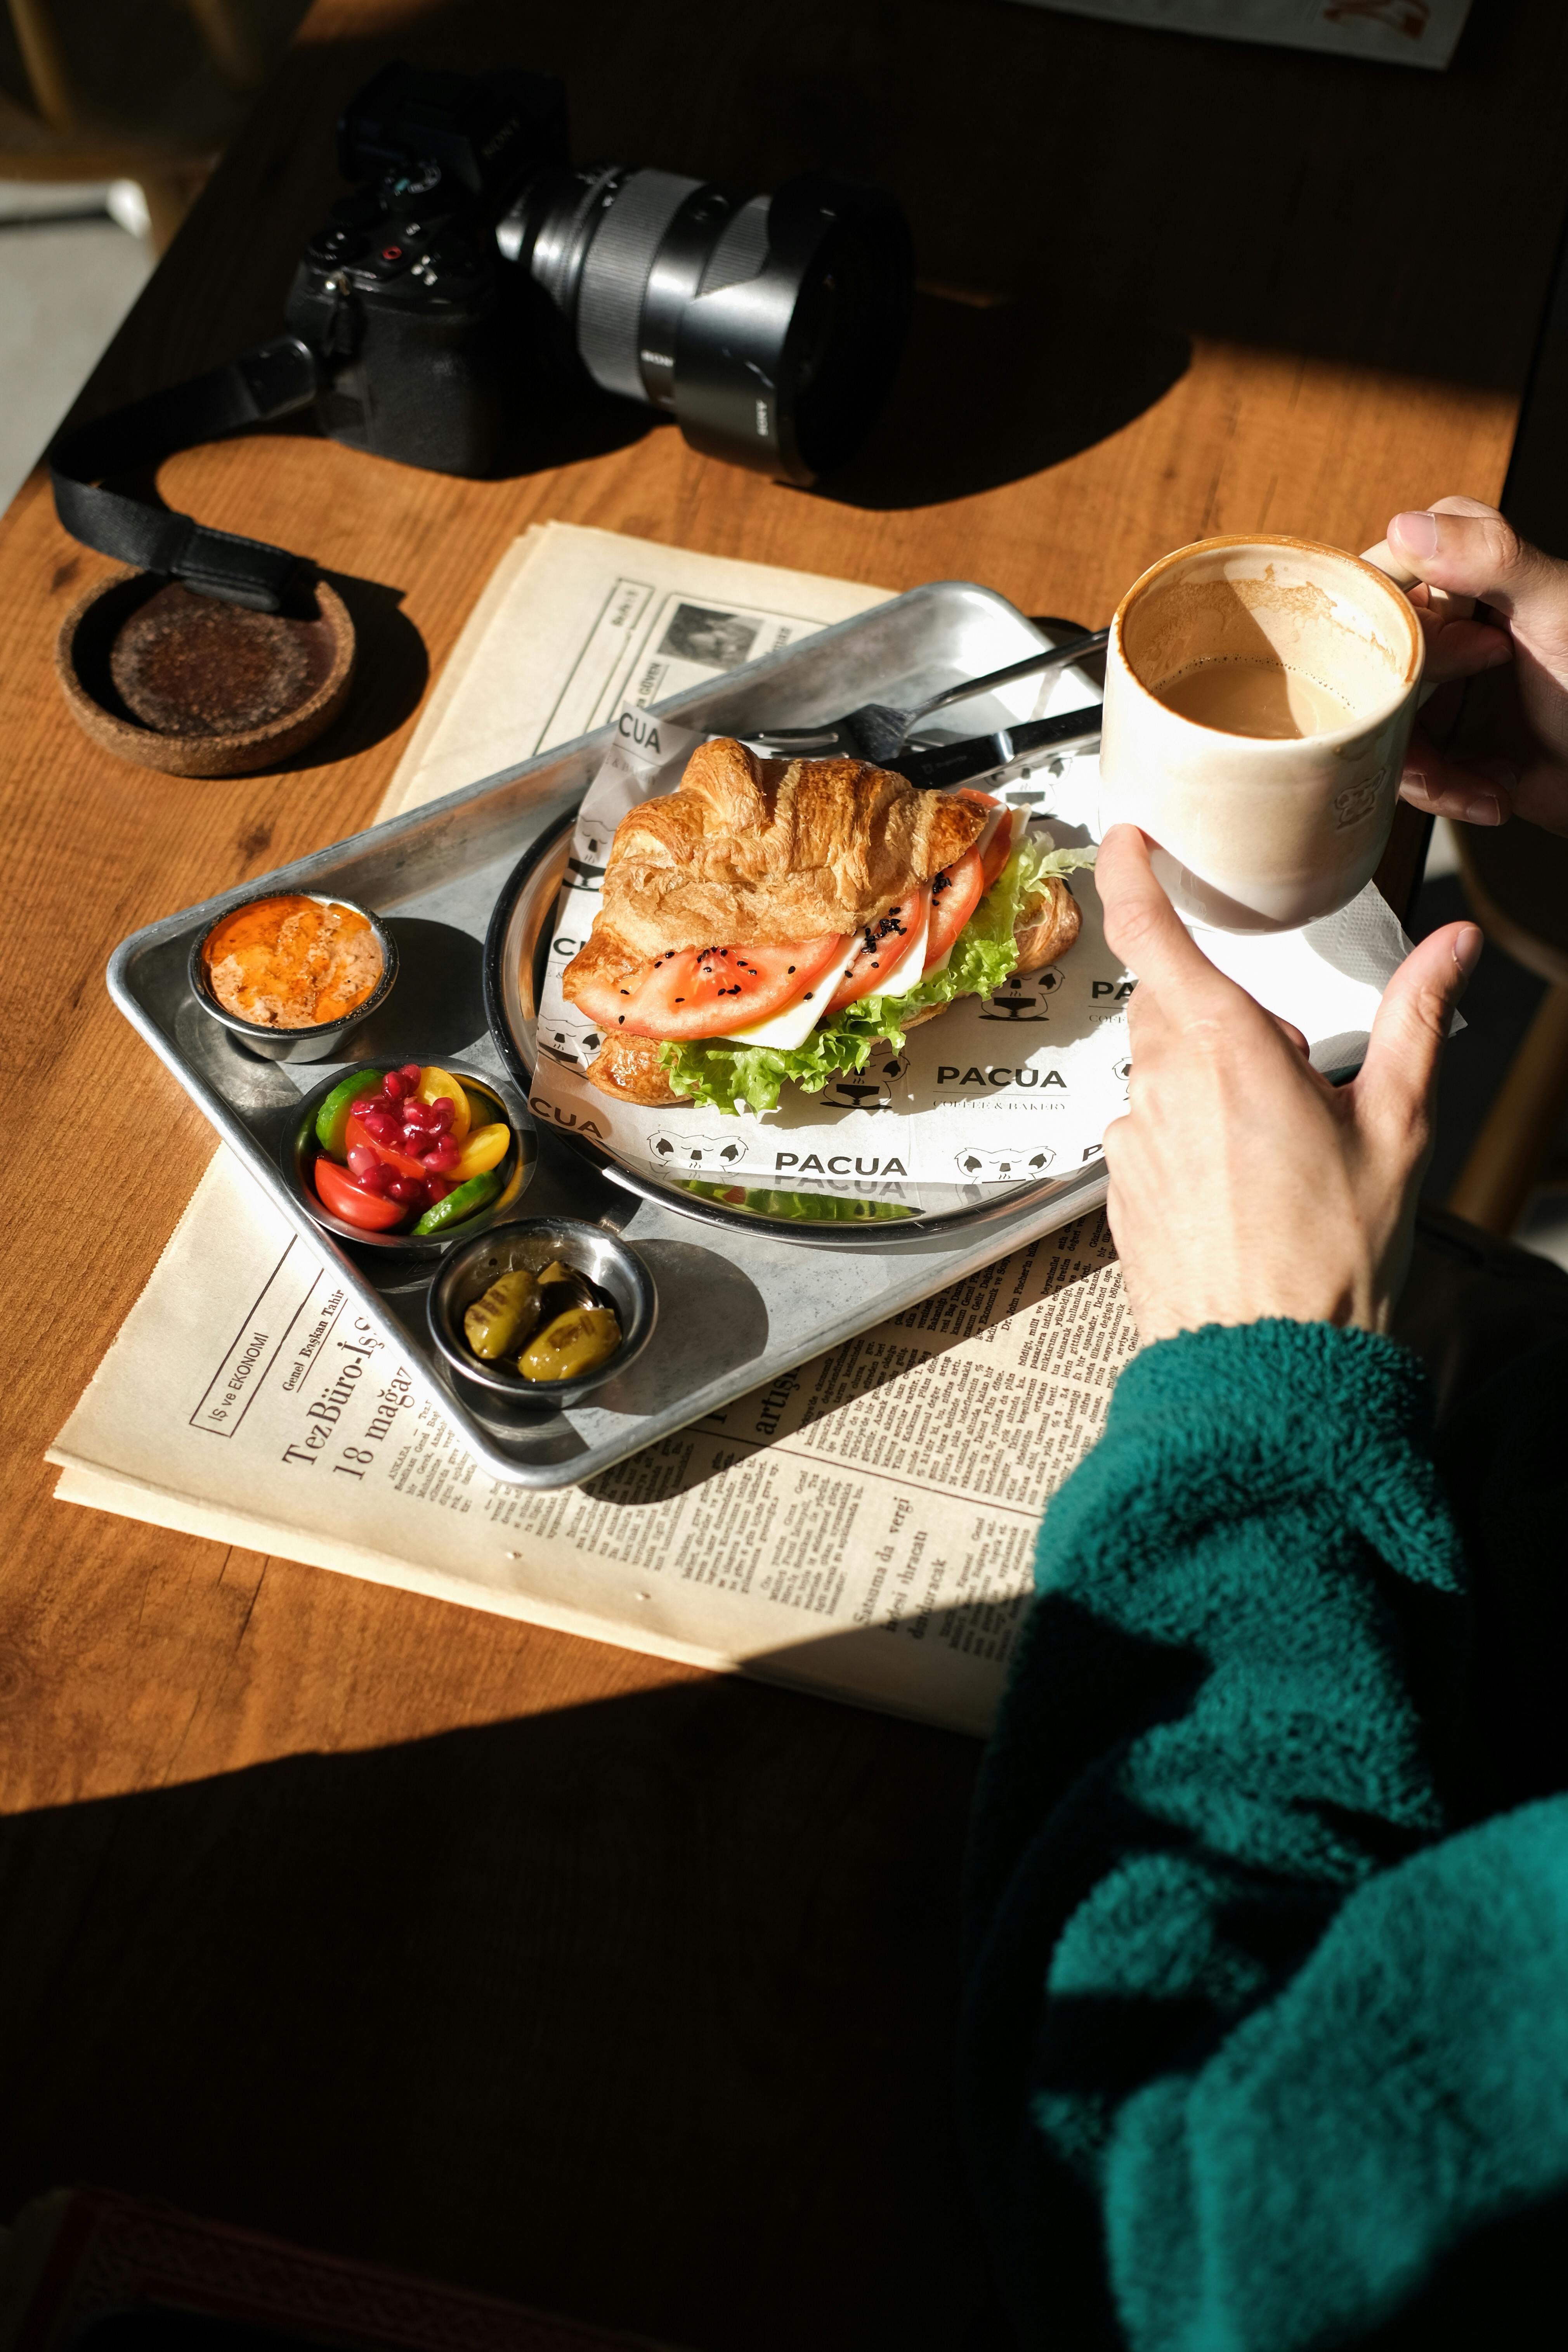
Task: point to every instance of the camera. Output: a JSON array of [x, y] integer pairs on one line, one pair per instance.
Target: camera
[[769, 327]]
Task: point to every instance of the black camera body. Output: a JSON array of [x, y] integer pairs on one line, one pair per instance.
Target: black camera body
[[402, 296], [769, 328]]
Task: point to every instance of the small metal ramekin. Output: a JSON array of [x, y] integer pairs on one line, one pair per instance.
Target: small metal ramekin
[[321, 1043], [298, 1151], [610, 1264]]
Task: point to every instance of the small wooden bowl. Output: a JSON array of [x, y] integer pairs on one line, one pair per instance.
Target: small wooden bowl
[[197, 688]]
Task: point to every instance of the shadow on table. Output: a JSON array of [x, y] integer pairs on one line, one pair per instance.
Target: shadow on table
[[638, 2011], [990, 393]]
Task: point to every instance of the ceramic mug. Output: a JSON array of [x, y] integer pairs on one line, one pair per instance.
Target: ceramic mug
[[1259, 828]]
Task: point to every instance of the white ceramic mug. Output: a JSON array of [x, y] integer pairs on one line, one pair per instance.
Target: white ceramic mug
[[1260, 831]]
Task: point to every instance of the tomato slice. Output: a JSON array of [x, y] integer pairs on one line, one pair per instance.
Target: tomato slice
[[995, 844], [402, 1163], [876, 950], [954, 895], [710, 991], [341, 1197]]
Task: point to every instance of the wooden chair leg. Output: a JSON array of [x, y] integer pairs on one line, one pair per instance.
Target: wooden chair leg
[[1512, 1148]]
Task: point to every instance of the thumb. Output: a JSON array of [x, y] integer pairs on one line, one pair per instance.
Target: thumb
[[1394, 1088], [1470, 550]]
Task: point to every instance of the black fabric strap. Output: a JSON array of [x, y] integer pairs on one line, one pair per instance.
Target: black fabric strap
[[271, 381]]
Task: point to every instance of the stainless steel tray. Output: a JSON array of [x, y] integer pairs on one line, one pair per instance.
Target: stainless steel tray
[[738, 1308]]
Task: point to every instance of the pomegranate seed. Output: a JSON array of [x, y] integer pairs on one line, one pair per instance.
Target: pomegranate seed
[[361, 1159], [373, 1179], [395, 1084], [381, 1124], [443, 1111], [405, 1188], [416, 1114], [442, 1154], [380, 1104], [411, 1074], [437, 1189]]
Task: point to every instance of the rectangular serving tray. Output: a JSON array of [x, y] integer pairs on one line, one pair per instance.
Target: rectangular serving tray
[[736, 1310]]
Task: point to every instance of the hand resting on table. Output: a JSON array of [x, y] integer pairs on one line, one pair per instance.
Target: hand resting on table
[[1507, 753], [1242, 1184]]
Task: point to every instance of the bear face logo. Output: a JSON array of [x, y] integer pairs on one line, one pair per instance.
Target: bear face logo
[[1024, 997], [1004, 1167], [867, 1089], [569, 1041], [689, 1154]]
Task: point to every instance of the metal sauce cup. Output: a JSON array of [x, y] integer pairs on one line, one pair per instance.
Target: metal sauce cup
[[323, 1041], [611, 1264]]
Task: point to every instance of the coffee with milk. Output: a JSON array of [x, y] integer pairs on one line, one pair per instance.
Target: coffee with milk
[[1258, 698], [1255, 697]]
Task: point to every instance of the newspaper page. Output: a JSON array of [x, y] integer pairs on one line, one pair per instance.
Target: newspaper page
[[575, 625], [1399, 32], [863, 1528]]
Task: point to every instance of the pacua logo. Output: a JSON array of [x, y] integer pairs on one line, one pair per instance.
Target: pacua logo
[[948, 1073]]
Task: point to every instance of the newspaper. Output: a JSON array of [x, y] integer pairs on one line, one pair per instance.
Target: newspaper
[[1400, 32], [864, 1528]]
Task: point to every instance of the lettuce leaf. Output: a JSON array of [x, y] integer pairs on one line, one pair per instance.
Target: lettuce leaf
[[730, 1077]]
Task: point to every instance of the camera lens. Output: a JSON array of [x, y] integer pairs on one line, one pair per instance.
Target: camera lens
[[770, 329]]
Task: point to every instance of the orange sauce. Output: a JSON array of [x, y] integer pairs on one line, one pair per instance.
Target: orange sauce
[[293, 963]]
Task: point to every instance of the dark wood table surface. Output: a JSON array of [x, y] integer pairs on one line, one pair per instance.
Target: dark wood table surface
[[412, 1932]]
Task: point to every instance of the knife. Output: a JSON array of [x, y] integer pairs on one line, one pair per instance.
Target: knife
[[1009, 747]]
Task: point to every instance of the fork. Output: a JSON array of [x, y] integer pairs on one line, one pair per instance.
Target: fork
[[876, 731]]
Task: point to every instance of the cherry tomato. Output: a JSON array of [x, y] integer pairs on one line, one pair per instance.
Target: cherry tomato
[[437, 1087], [482, 1148], [876, 950], [708, 992], [954, 895], [343, 1198]]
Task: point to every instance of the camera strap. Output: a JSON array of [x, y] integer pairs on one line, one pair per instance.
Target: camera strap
[[271, 381]]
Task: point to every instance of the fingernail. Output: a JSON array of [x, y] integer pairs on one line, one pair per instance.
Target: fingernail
[[1467, 952], [1483, 808], [1416, 533]]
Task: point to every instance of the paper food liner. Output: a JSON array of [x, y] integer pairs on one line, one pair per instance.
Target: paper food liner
[[996, 1090]]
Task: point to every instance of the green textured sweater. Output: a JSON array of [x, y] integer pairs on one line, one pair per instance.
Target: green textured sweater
[[1265, 2040]]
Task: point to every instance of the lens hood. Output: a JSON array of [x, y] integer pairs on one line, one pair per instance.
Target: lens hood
[[784, 356]]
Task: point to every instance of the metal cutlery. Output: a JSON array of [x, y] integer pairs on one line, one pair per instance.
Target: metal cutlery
[[878, 732]]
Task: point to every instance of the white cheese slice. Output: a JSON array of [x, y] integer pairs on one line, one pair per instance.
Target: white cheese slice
[[909, 970], [940, 964], [793, 1024], [1021, 826]]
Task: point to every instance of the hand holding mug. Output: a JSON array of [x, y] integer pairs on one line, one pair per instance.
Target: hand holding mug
[[1507, 753], [1242, 1183]]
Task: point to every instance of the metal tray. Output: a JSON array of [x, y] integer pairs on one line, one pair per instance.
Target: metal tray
[[738, 1306]]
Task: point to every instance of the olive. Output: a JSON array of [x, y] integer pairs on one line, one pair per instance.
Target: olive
[[509, 1309], [578, 1341]]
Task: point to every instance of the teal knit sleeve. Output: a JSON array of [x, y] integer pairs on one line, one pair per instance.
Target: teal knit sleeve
[[1218, 2051]]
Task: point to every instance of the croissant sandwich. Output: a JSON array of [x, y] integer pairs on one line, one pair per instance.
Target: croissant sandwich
[[772, 919]]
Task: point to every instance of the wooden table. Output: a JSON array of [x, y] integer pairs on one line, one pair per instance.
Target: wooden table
[[420, 1934]]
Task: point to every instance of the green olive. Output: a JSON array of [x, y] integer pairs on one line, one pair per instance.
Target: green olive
[[578, 1341], [506, 1313]]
